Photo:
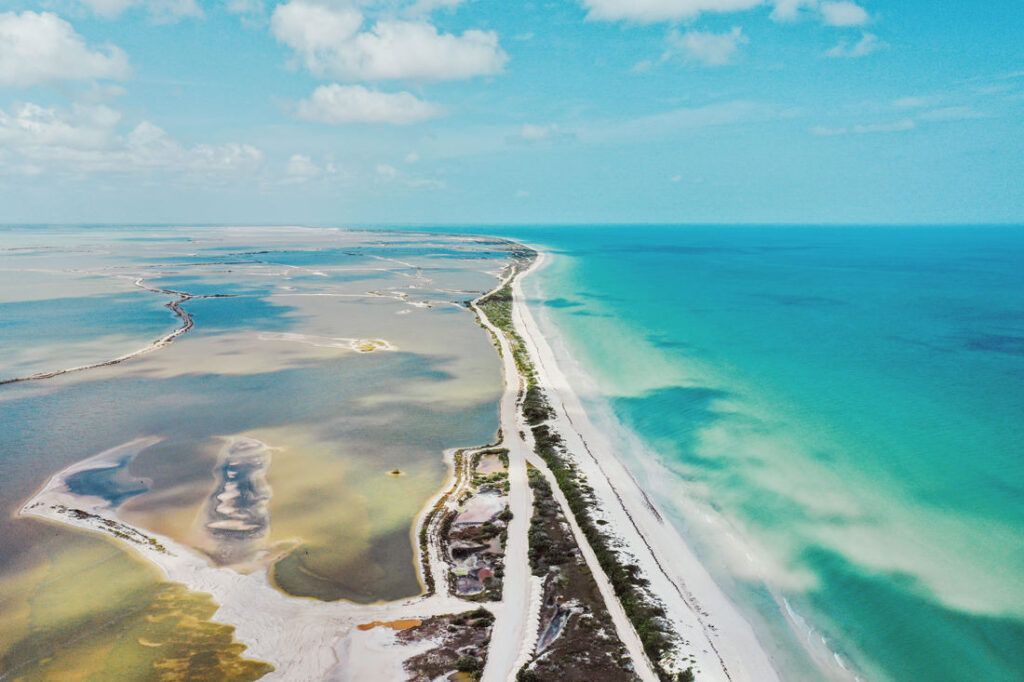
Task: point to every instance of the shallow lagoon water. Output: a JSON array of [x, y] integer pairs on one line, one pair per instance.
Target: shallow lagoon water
[[335, 421]]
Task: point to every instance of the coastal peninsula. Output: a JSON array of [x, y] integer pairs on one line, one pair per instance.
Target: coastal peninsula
[[538, 557]]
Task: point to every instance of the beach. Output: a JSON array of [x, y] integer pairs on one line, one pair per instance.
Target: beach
[[722, 641]]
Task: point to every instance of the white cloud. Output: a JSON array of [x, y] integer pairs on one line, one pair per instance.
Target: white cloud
[[710, 49], [831, 13], [386, 172], [162, 10], [868, 44], [412, 157], [245, 6], [329, 42], [843, 13], [427, 6], [86, 139], [41, 47], [533, 133], [301, 168], [150, 147], [427, 183], [894, 127], [649, 11], [790, 10], [914, 102], [537, 132], [308, 27], [108, 8], [955, 113], [667, 124], [32, 127], [339, 104]]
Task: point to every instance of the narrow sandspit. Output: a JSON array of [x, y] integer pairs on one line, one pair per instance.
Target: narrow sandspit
[[356, 345], [175, 307]]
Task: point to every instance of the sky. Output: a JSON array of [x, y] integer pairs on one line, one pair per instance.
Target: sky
[[496, 111]]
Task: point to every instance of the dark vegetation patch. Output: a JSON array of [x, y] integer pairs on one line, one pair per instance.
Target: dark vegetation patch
[[115, 528], [497, 306], [643, 609], [462, 645], [535, 406], [577, 638]]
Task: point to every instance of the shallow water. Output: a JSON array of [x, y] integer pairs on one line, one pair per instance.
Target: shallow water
[[839, 413], [335, 524]]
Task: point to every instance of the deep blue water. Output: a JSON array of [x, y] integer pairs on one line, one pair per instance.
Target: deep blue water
[[848, 401]]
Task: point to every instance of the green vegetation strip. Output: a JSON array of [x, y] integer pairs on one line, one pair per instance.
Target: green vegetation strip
[[497, 306], [646, 616], [546, 549]]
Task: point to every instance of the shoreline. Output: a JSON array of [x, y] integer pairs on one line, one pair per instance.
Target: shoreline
[[721, 639]]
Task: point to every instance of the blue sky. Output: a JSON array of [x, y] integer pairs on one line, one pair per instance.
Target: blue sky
[[481, 111]]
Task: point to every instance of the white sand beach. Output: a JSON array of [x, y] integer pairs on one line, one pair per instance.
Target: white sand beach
[[723, 642]]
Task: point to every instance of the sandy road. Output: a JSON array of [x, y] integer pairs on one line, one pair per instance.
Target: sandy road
[[513, 627]]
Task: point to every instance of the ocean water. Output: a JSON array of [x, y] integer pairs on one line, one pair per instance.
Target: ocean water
[[840, 411]]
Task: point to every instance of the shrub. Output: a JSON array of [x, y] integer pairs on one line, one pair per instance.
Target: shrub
[[467, 664]]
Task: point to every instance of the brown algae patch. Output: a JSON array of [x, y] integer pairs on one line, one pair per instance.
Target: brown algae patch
[[94, 613], [401, 624]]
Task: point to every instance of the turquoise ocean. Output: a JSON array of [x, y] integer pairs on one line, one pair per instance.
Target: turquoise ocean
[[832, 416]]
